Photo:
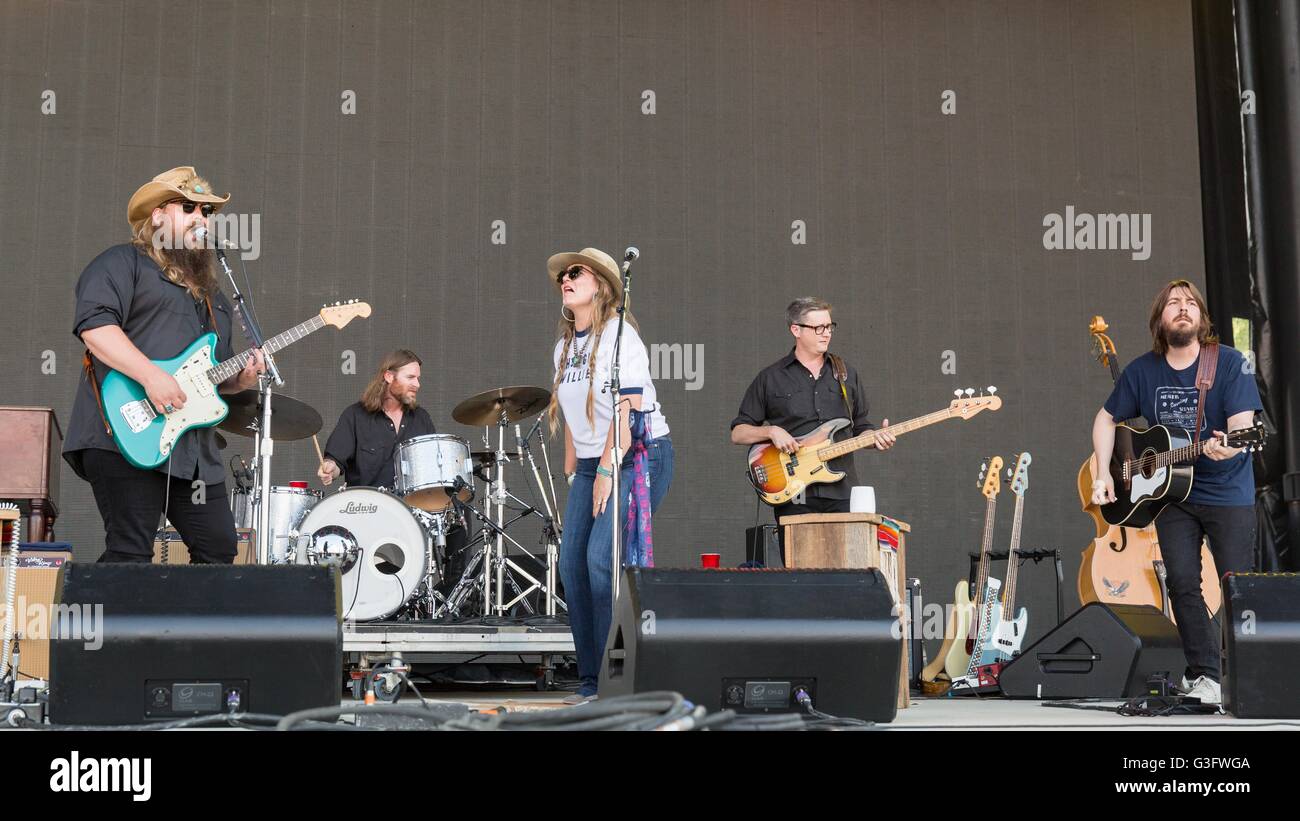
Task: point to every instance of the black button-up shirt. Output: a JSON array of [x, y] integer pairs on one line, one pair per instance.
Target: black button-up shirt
[[123, 287], [363, 443], [785, 394]]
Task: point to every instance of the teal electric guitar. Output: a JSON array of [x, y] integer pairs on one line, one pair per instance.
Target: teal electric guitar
[[146, 437]]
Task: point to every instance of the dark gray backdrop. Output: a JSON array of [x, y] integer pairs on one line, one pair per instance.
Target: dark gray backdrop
[[924, 228]]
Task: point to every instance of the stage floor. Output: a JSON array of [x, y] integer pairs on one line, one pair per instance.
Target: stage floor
[[941, 714]]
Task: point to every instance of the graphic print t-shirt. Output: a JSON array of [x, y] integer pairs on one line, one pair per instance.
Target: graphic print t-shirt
[[1150, 388]]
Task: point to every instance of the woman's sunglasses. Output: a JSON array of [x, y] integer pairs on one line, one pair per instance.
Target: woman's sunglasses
[[572, 272]]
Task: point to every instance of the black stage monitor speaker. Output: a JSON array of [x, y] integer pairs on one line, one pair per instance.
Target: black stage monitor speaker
[[1102, 651], [1261, 635], [749, 640], [137, 643]]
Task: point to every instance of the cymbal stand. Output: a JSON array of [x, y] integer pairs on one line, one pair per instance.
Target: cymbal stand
[[472, 580], [552, 515]]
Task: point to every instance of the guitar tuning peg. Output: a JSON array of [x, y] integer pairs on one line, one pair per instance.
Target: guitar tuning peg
[[957, 393], [992, 389], [970, 392]]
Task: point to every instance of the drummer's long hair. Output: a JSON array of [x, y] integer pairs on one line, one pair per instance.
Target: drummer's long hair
[[606, 309], [372, 398]]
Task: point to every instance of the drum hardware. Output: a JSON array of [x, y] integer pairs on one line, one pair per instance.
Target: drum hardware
[[552, 514], [251, 414]]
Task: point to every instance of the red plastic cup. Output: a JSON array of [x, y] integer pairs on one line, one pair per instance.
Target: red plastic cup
[[299, 485], [710, 560]]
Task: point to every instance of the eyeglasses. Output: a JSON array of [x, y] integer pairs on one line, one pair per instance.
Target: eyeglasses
[[820, 330], [188, 207], [572, 272]]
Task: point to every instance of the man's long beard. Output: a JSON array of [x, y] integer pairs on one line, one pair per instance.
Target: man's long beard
[[1177, 336], [195, 267]]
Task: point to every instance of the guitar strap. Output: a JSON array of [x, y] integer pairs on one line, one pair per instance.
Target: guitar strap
[[841, 374], [1204, 380]]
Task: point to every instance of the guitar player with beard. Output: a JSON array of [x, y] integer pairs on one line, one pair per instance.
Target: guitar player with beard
[[804, 389], [1161, 386], [139, 301]]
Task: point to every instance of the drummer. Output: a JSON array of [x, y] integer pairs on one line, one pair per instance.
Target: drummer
[[361, 447], [368, 432]]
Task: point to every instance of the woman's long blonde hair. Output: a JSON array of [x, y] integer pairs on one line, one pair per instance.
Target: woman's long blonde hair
[[605, 311]]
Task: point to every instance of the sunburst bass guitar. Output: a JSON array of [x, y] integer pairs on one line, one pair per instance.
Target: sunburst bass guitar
[[779, 477]]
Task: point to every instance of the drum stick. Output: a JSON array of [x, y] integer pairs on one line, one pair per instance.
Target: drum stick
[[319, 455]]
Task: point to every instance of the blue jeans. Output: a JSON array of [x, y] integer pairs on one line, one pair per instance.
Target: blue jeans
[[586, 555]]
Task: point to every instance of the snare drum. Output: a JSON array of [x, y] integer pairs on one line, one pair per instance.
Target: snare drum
[[378, 545], [425, 470]]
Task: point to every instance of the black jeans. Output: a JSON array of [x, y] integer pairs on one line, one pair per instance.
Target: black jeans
[[131, 501], [812, 504], [1231, 533]]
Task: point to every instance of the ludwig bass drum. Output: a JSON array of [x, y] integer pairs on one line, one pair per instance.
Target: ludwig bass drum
[[377, 543]]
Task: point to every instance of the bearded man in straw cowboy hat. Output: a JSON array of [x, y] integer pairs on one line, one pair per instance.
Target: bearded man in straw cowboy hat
[[148, 299]]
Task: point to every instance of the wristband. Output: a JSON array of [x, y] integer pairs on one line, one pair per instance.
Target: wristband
[[569, 477], [604, 471]]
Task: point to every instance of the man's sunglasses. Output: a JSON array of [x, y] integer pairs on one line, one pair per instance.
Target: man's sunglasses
[[572, 272], [188, 207]]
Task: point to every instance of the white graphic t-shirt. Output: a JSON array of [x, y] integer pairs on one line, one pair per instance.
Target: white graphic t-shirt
[[589, 439]]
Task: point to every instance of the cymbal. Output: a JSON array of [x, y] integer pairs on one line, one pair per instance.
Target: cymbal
[[290, 418], [519, 402]]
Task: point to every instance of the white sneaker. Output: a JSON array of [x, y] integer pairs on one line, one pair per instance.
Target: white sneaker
[[1185, 686], [1206, 689]]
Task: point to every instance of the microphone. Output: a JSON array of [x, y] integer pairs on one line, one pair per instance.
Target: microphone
[[536, 425], [629, 256]]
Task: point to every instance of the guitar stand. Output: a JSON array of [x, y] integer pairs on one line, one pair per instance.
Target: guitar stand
[[1024, 555]]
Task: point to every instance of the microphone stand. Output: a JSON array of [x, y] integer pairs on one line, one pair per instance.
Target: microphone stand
[[616, 388], [264, 446]]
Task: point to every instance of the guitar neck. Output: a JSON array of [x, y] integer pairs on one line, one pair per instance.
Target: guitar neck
[[1013, 565], [981, 579], [238, 362], [867, 439], [1169, 458]]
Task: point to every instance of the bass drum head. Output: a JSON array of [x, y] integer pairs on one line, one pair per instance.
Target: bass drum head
[[390, 558]]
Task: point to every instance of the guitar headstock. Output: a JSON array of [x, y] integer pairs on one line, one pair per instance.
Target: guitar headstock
[[967, 404], [341, 313], [1019, 475], [1251, 438], [991, 477], [1102, 347]]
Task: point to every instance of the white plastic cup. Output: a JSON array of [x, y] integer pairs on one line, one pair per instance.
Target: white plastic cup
[[862, 499]]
